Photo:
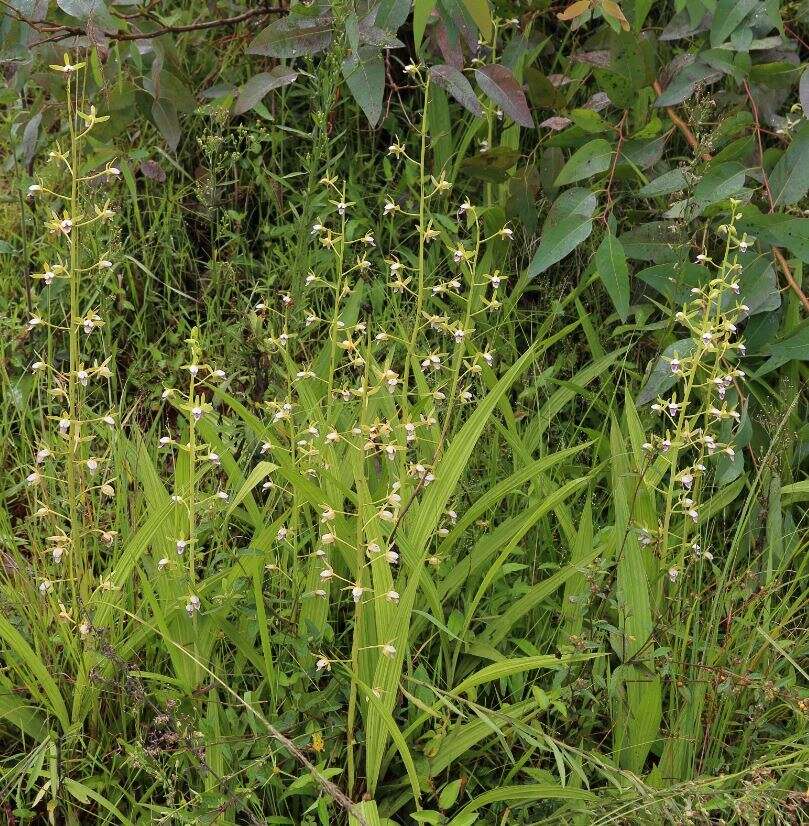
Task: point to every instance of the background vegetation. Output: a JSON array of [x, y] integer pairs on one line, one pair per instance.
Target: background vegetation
[[403, 412]]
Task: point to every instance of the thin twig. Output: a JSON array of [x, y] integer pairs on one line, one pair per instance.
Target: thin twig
[[760, 145], [614, 164], [59, 31]]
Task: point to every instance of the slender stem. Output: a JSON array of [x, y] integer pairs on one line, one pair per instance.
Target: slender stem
[[192, 469], [422, 228], [335, 321], [73, 493]]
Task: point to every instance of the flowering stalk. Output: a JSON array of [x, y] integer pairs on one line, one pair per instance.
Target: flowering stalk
[[422, 171], [695, 420], [200, 459], [77, 424]]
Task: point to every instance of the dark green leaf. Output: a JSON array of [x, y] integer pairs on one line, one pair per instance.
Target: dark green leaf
[[591, 159], [558, 242], [795, 346], [611, 265], [90, 11], [728, 15], [665, 184], [492, 165], [803, 91], [685, 83], [673, 280], [293, 36], [574, 201], [758, 285], [381, 38], [364, 72], [661, 378], [542, 92], [259, 85], [719, 183], [166, 120], [391, 14], [651, 242], [523, 190], [789, 181], [169, 87]]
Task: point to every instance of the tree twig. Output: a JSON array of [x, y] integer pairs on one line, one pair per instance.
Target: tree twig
[[59, 31], [692, 141]]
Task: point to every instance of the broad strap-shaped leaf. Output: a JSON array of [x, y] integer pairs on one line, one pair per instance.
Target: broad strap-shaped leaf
[[526, 793], [614, 273], [364, 72], [420, 527], [501, 626], [26, 662], [454, 83], [515, 665], [254, 90], [639, 705], [500, 85], [16, 709], [293, 36]]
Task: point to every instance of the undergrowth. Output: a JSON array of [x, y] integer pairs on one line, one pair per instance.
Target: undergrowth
[[337, 487]]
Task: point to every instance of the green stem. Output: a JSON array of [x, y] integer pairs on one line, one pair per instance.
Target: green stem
[[422, 228], [192, 469], [75, 497]]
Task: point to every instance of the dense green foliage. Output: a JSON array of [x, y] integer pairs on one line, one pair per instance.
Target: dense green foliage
[[403, 412]]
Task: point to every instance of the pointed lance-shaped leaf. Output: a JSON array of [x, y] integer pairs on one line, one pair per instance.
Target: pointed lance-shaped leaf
[[452, 81], [500, 85]]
